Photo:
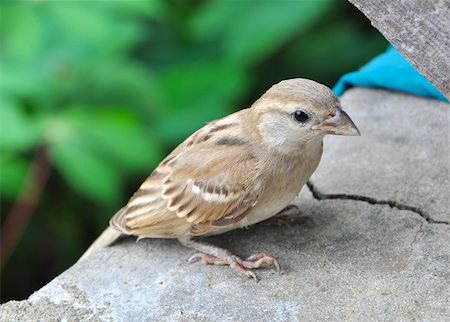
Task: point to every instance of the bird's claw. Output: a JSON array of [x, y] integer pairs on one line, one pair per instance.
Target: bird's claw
[[261, 260], [207, 259], [243, 267]]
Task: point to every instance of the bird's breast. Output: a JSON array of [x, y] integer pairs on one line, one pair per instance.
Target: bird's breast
[[282, 185]]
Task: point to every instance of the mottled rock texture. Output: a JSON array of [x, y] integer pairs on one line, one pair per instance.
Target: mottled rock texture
[[419, 29]]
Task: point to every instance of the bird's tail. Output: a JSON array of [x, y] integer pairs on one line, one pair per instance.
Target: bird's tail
[[109, 236]]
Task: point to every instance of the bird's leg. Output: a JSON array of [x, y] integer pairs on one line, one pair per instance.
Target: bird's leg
[[286, 217], [213, 255]]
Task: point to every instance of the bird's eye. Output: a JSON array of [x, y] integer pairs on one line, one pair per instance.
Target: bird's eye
[[301, 116]]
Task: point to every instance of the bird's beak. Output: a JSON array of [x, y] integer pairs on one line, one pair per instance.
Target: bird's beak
[[338, 123]]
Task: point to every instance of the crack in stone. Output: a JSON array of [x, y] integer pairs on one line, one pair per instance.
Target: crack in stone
[[416, 235], [373, 201]]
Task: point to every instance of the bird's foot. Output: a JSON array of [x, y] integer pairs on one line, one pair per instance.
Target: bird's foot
[[242, 266], [213, 255]]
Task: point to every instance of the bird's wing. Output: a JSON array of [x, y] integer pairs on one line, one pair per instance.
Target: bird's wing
[[206, 183]]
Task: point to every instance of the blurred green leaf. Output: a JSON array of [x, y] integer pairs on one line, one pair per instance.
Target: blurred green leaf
[[78, 55], [329, 37], [93, 28], [116, 134], [197, 94], [21, 31], [17, 131], [86, 171], [213, 18], [13, 171], [115, 84], [95, 147], [151, 9], [268, 25], [254, 31]]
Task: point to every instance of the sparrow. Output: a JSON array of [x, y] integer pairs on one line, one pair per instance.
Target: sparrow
[[234, 172]]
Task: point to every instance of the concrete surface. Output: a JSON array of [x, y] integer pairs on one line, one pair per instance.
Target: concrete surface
[[419, 30], [403, 154], [355, 259]]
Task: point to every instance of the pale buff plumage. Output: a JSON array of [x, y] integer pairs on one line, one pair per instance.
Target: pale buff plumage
[[234, 172]]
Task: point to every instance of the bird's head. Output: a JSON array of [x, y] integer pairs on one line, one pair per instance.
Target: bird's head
[[297, 111]]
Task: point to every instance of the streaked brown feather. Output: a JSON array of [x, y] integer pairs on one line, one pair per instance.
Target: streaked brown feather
[[186, 195]]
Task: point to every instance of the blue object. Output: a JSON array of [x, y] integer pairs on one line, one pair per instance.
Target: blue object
[[389, 71]]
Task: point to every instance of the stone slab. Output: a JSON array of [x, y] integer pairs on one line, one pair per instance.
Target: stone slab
[[403, 153], [351, 260], [419, 30]]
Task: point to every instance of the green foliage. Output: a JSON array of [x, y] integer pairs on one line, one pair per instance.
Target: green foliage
[[196, 94], [255, 31], [110, 87], [93, 148], [61, 67]]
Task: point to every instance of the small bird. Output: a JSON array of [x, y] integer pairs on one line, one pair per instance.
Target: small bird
[[234, 172]]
